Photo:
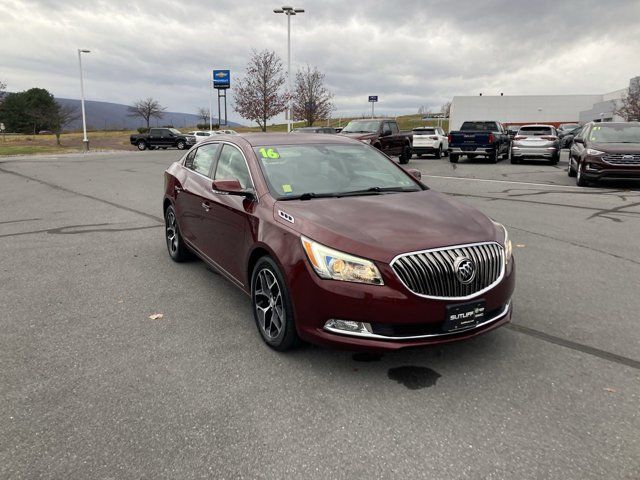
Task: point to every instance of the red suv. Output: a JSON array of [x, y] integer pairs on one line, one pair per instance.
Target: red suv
[[336, 244]]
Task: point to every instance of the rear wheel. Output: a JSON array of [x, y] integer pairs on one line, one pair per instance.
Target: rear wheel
[[142, 145], [272, 308], [493, 157], [178, 251], [439, 152], [405, 156], [453, 157], [181, 144], [555, 159]]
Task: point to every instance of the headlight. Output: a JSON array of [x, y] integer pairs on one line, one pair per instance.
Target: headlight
[[366, 140], [335, 265], [591, 151], [508, 248]]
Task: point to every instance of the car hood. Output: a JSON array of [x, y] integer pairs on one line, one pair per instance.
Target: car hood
[[616, 147], [380, 227], [358, 136]]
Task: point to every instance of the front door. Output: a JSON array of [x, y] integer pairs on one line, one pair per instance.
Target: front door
[[227, 221]]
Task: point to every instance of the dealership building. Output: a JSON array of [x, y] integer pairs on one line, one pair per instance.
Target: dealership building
[[548, 109]]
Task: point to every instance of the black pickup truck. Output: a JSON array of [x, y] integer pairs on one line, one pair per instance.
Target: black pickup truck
[[479, 139], [162, 138], [383, 134]]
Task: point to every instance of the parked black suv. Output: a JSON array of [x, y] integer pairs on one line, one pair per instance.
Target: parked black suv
[[609, 150], [162, 138]]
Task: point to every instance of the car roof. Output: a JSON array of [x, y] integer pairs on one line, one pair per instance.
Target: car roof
[[537, 125]]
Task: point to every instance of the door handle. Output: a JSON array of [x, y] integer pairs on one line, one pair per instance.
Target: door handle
[[206, 206]]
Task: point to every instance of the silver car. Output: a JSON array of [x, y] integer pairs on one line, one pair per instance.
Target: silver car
[[536, 141]]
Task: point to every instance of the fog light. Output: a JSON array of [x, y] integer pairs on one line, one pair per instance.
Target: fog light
[[347, 326], [590, 167]]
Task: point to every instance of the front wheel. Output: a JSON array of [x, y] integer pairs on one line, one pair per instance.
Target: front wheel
[[181, 145], [580, 180], [570, 171], [272, 309]]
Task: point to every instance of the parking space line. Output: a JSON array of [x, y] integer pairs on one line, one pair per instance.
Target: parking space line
[[596, 352]]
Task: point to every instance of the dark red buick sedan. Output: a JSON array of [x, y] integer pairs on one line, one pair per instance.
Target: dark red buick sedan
[[336, 244]]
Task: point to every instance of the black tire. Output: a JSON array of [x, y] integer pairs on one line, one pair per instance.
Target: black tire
[[439, 152], [280, 334], [181, 144], [178, 250], [141, 144], [164, 148], [570, 171], [471, 156], [453, 157], [151, 147], [493, 157], [514, 161], [555, 159], [405, 155], [580, 180]]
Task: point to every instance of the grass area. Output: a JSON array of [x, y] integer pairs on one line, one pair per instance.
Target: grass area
[[33, 149]]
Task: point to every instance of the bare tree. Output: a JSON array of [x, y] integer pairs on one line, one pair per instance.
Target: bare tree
[[258, 95], [628, 107], [311, 98], [146, 109], [203, 113], [445, 109], [62, 116]]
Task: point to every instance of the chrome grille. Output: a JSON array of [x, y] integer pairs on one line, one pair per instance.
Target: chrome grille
[[622, 158], [431, 273]]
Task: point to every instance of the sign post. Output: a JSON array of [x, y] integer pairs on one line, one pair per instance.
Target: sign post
[[221, 82], [372, 100], [2, 130]]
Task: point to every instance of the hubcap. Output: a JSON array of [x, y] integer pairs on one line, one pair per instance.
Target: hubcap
[[267, 300], [172, 233]]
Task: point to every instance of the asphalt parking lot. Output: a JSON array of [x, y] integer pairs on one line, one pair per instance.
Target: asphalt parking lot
[[93, 388]]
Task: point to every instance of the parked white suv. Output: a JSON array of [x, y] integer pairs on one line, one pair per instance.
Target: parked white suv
[[430, 140]]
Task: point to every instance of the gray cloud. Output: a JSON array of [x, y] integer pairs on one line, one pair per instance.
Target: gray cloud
[[410, 53]]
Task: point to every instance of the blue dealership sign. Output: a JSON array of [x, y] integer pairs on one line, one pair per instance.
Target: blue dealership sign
[[373, 98], [221, 78]]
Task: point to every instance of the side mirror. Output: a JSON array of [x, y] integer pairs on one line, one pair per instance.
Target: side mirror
[[230, 186], [386, 133], [415, 173], [578, 140]]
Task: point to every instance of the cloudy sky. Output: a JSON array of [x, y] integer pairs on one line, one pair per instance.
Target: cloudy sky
[[410, 53]]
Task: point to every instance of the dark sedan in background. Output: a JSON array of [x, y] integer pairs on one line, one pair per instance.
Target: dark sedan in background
[[337, 244], [605, 151]]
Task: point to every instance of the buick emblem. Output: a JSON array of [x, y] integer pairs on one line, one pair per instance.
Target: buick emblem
[[465, 269], [627, 157]]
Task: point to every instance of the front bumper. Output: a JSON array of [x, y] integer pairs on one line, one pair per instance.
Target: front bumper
[[594, 168], [398, 317]]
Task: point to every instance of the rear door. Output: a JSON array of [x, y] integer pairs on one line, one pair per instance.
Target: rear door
[[196, 189], [155, 137]]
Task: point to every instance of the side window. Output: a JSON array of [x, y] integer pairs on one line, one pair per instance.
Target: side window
[[188, 162], [155, 132], [231, 164], [582, 133], [203, 159], [393, 126]]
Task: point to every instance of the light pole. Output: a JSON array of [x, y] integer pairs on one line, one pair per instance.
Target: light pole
[[288, 11], [85, 140]]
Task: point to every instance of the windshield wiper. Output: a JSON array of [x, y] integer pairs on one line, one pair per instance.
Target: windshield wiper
[[377, 191], [309, 196]]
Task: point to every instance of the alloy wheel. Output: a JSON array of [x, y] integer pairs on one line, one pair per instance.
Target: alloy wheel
[[172, 233], [268, 304]]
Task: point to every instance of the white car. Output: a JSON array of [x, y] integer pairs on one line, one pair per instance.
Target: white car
[[431, 140], [202, 134]]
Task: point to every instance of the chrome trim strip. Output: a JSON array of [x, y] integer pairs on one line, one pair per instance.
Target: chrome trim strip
[[374, 336], [468, 297]]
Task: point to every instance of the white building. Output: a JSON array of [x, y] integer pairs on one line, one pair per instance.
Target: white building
[[549, 109]]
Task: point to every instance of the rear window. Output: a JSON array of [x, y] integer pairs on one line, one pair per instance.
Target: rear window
[[535, 131], [424, 131], [480, 126]]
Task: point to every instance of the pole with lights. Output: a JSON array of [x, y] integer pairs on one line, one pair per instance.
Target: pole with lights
[[85, 140], [288, 11]]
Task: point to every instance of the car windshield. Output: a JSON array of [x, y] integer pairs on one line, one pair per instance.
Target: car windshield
[[292, 171], [615, 133], [175, 131], [361, 126], [424, 131], [479, 126], [535, 131]]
